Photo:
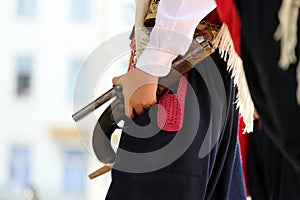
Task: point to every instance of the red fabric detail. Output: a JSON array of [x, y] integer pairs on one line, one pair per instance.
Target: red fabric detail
[[213, 18], [243, 138], [228, 14], [171, 108]]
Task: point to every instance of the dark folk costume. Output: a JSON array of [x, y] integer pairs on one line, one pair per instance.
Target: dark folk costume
[[218, 175], [274, 81], [274, 91], [270, 175]]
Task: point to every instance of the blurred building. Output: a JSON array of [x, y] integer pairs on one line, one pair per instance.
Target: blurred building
[[43, 45]]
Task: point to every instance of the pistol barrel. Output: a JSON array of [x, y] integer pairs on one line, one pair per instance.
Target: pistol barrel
[[94, 105]]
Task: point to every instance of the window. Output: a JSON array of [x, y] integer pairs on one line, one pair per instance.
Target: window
[[19, 166], [80, 9], [24, 67], [73, 71], [75, 171], [26, 8]]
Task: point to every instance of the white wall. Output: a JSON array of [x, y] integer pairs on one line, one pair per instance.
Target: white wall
[[53, 39]]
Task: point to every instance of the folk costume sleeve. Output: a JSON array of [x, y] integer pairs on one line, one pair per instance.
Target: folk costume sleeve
[[172, 33]]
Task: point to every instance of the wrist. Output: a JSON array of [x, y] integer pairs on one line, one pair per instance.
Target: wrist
[[155, 62]]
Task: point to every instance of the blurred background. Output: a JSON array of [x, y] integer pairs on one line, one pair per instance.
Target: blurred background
[[43, 45]]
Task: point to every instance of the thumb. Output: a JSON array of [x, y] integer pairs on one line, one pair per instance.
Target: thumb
[[116, 79]]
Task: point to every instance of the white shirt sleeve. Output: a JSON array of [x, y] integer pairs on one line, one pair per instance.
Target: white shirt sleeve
[[172, 34]]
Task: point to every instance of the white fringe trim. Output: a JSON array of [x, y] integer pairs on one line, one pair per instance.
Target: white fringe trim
[[235, 65], [286, 33]]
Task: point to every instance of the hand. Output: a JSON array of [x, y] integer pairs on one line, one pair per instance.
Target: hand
[[139, 91]]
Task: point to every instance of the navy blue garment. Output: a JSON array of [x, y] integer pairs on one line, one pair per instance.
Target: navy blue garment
[[270, 175], [217, 175], [272, 89]]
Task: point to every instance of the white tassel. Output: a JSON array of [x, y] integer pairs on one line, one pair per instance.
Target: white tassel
[[235, 66], [286, 32]]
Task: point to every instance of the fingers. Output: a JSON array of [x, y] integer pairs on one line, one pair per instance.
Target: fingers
[[139, 91], [129, 111], [143, 98], [139, 110], [135, 107]]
